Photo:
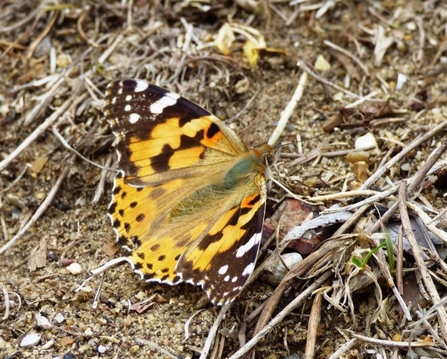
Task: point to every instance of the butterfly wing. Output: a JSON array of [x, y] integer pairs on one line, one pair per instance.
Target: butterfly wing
[[224, 258], [189, 194], [162, 135]]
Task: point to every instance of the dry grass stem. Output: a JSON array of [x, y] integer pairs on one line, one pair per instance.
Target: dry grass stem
[[349, 54], [42, 208], [343, 349], [326, 82], [312, 327], [6, 304], [213, 332], [396, 159], [390, 343], [37, 132], [426, 278], [428, 165], [287, 112], [281, 315]]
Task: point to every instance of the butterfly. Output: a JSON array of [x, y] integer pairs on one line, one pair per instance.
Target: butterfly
[[189, 198]]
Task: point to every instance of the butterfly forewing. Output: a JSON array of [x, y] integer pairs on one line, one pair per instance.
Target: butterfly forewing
[[188, 201], [159, 131]]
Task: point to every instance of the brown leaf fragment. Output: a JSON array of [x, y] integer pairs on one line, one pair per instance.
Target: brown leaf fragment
[[38, 257], [359, 116], [289, 214], [110, 249], [141, 307]]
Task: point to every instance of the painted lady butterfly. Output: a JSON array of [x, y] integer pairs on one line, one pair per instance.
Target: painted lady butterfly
[[189, 198]]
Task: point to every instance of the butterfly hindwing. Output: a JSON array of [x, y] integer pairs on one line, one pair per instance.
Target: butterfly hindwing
[[223, 260], [188, 201]]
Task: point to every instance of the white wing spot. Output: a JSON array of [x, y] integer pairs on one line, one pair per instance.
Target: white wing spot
[[134, 117], [227, 278], [248, 270], [141, 85], [168, 99], [127, 108], [128, 97], [223, 269], [254, 241], [113, 100], [234, 279]]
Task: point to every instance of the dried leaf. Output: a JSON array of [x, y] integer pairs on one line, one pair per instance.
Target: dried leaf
[[224, 39], [38, 257]]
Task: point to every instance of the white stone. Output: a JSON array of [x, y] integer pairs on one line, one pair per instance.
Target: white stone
[[42, 321], [366, 142], [49, 344], [30, 340], [275, 267], [75, 268], [59, 318], [401, 79]]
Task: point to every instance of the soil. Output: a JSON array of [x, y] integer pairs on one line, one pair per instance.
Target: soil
[[56, 54]]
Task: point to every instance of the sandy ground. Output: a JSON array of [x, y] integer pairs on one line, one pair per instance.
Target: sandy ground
[[60, 57]]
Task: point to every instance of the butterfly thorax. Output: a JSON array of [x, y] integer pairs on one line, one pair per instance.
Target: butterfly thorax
[[245, 167]]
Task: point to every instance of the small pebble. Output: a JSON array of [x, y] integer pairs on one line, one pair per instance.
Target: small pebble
[[405, 166], [30, 340], [63, 60], [49, 344], [401, 79], [75, 268], [67, 261], [358, 156], [59, 318], [102, 349], [276, 269], [42, 321], [66, 341], [15, 200], [321, 64], [366, 142], [127, 321]]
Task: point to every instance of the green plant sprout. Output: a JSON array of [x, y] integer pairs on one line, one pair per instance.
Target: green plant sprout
[[359, 262]]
